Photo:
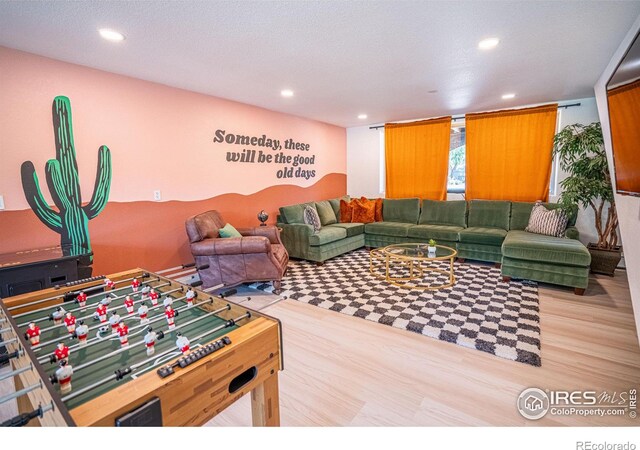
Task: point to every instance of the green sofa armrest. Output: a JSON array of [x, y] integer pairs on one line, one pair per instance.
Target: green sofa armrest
[[572, 233], [295, 238]]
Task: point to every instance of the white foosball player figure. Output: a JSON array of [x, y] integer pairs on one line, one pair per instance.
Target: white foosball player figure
[[109, 284], [106, 301], [58, 315], [63, 375], [81, 299], [170, 313], [128, 304], [143, 312], [168, 301], [190, 295], [114, 321], [70, 322], [101, 313], [123, 332], [150, 341], [145, 291], [61, 352], [33, 333], [182, 343], [82, 331], [135, 284], [153, 295]]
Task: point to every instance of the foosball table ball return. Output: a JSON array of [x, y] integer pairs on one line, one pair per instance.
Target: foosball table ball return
[[137, 349]]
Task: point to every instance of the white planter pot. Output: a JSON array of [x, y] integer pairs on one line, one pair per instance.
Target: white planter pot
[[431, 249]]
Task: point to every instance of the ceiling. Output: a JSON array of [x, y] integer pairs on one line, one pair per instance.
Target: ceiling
[[341, 58]]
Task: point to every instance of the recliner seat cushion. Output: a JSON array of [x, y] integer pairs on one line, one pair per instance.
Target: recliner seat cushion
[[489, 214], [483, 235], [541, 248], [353, 229], [437, 232], [327, 235], [447, 212], [395, 229]]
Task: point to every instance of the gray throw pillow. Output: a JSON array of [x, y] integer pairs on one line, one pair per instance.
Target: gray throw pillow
[[312, 218], [548, 222]]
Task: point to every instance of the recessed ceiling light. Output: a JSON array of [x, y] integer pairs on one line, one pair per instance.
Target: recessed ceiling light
[[362, 116], [286, 93], [111, 35], [508, 96], [486, 44]]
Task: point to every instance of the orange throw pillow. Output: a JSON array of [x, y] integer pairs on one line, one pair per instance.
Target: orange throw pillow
[[346, 212], [378, 210], [364, 211]]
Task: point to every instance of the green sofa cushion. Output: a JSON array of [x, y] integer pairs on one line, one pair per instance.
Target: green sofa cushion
[[335, 204], [436, 212], [483, 235], [395, 229], [437, 232], [489, 214], [520, 212], [326, 235], [353, 229], [295, 213], [404, 210], [548, 249], [326, 213]]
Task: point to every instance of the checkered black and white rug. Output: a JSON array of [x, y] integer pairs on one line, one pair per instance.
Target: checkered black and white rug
[[479, 311]]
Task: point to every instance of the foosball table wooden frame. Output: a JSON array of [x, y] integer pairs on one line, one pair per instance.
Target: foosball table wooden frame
[[190, 397]]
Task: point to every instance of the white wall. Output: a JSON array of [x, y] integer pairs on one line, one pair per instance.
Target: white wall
[[628, 207]]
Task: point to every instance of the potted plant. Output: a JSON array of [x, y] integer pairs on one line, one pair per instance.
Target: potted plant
[[432, 246], [581, 155]]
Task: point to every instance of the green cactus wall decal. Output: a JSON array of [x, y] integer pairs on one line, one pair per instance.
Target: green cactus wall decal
[[71, 220]]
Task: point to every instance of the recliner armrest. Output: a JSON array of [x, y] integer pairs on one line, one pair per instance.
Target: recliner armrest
[[231, 246], [572, 233], [270, 232]]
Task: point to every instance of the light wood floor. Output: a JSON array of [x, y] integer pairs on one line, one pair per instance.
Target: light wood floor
[[346, 371]]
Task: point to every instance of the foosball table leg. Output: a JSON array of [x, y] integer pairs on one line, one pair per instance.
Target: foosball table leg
[[265, 403]]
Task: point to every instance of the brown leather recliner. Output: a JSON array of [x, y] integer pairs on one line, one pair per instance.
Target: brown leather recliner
[[256, 256]]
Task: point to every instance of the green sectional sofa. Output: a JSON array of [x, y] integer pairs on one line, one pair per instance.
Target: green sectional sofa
[[483, 230]]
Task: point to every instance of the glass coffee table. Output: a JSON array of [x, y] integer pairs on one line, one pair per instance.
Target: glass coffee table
[[412, 266]]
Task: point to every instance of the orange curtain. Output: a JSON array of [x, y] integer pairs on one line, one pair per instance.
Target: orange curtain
[[624, 115], [509, 154], [417, 158]]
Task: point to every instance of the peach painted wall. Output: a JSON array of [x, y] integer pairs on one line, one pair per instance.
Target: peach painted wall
[[161, 138]]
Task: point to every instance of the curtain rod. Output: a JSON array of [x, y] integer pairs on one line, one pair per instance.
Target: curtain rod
[[454, 118]]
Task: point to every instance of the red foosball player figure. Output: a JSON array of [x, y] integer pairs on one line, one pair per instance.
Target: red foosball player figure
[[128, 304], [190, 295], [81, 299], [150, 341], [70, 322], [153, 295], [109, 284], [168, 301], [58, 315], [143, 311], [182, 343], [135, 284], [114, 321], [63, 375], [82, 331], [101, 313], [170, 313], [33, 333], [123, 332], [62, 352]]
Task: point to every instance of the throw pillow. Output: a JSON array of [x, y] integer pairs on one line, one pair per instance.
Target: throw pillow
[[346, 211], [364, 211], [548, 222], [312, 218], [229, 231], [379, 210], [325, 211]]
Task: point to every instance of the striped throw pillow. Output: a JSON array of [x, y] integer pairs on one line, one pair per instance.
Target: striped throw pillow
[[548, 222], [312, 218]]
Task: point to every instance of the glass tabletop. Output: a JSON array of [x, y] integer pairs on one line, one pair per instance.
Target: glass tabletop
[[419, 250]]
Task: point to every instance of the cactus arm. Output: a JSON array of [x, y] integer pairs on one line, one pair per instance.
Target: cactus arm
[[31, 188], [65, 149], [102, 186]]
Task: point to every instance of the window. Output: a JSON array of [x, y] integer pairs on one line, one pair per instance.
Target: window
[[457, 158]]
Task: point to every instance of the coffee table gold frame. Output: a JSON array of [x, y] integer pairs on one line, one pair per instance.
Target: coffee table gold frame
[[389, 256]]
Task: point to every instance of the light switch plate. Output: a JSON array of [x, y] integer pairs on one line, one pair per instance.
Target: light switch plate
[[157, 196]]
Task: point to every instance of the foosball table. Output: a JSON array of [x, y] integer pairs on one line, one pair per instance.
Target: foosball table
[[136, 348]]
